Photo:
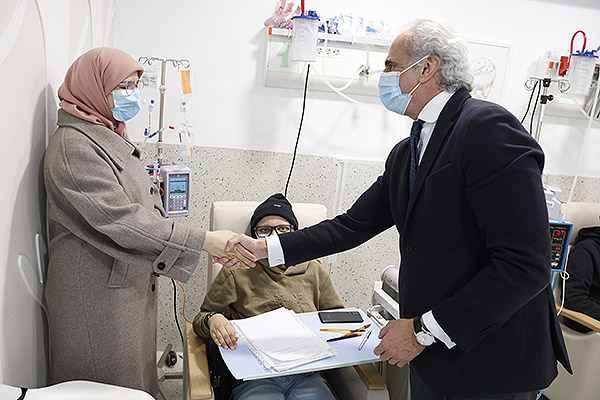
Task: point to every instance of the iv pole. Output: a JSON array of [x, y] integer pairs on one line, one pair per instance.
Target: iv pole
[[162, 89], [563, 86], [168, 357]]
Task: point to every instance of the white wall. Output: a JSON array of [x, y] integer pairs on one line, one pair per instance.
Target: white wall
[[225, 42], [36, 47], [23, 118]]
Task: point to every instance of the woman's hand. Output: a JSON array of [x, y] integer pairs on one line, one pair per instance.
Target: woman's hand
[[222, 332], [215, 242], [242, 244], [256, 247]]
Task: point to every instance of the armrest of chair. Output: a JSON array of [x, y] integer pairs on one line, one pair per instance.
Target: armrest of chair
[[196, 372], [361, 382], [583, 319], [370, 377]]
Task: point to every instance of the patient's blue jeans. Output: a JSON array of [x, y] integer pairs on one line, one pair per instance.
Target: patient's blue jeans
[[291, 387]]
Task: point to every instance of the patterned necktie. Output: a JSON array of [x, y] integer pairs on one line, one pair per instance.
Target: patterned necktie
[[415, 134]]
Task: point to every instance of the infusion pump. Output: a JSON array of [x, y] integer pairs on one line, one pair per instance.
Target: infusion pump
[[560, 234], [176, 182]]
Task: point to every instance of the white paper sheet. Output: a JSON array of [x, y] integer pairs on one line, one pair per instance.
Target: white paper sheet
[[281, 341]]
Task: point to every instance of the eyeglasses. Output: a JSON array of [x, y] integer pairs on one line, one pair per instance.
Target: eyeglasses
[[130, 86], [266, 230]]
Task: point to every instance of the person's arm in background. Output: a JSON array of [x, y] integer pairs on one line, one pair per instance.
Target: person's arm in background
[[578, 296], [219, 298]]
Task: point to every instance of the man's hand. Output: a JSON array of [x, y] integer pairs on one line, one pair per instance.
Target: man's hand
[[238, 257], [398, 343], [222, 332], [243, 245], [258, 247]]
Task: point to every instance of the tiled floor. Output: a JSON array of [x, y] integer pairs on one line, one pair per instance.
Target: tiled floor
[[172, 389]]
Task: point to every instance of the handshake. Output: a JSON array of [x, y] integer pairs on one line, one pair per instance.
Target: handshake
[[234, 250]]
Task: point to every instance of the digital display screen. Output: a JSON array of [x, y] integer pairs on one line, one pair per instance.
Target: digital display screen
[[559, 232], [177, 186]]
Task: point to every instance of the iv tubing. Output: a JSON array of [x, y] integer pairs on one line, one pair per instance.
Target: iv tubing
[[347, 85], [573, 39], [333, 88], [163, 89], [345, 96]]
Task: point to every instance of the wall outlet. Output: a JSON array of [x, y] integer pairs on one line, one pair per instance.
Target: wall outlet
[[329, 52]]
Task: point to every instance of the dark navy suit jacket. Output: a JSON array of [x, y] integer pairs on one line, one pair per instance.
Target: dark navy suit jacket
[[475, 249]]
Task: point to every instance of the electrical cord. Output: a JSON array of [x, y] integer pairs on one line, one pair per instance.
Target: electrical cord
[[175, 309], [564, 275], [534, 107], [529, 103], [183, 312], [299, 130]]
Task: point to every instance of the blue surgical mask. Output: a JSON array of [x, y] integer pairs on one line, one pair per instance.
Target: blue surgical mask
[[127, 105], [390, 93]]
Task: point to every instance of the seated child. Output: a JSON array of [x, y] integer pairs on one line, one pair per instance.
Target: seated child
[[246, 293]]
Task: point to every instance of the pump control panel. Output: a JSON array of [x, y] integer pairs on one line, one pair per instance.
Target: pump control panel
[[176, 182], [560, 234]]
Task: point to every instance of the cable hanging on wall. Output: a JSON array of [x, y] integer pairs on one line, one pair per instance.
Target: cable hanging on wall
[[543, 85], [299, 130]]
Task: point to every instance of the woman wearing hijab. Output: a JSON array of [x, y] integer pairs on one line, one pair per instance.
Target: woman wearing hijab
[[109, 239]]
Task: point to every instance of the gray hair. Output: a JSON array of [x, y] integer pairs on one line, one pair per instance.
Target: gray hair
[[429, 36]]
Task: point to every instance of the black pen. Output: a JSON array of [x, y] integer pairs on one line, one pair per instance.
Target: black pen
[[343, 337], [360, 346]]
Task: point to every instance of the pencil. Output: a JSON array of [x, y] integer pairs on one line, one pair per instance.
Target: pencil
[[344, 337], [362, 343]]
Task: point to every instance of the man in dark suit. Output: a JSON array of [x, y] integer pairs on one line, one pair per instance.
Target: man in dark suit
[[465, 193]]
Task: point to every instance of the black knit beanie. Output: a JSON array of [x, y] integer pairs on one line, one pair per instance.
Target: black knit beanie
[[277, 204]]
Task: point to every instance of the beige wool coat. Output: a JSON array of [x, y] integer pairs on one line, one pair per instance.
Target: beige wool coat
[[109, 240]]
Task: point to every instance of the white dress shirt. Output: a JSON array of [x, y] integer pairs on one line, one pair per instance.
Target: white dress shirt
[[429, 114]]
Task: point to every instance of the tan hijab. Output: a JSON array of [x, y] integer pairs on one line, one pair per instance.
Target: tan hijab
[[90, 79]]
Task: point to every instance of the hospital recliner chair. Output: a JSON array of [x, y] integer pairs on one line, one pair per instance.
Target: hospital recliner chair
[[349, 383], [583, 348]]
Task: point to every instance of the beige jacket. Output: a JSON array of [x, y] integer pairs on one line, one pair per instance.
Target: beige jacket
[[245, 293], [108, 235]]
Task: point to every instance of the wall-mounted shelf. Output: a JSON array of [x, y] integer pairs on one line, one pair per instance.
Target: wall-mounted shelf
[[567, 105], [341, 59], [344, 61]]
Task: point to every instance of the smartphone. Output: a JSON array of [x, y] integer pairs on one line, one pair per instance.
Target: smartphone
[[339, 316]]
